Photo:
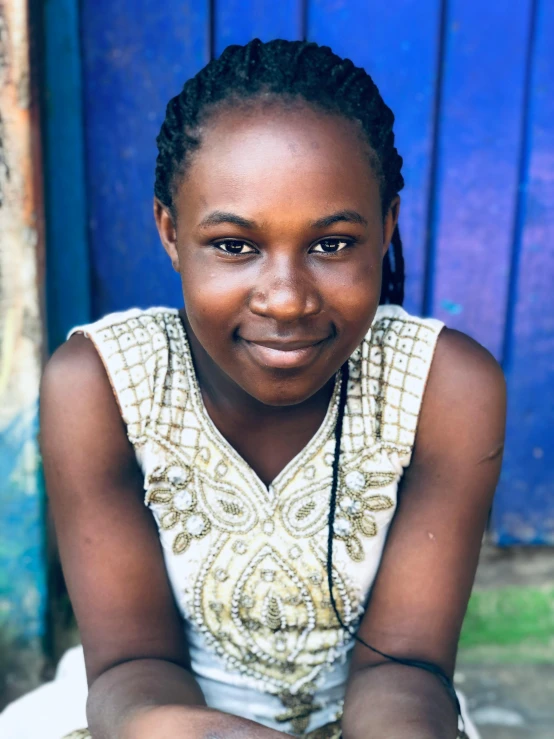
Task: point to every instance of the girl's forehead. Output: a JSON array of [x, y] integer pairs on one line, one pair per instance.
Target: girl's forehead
[[286, 157], [295, 133]]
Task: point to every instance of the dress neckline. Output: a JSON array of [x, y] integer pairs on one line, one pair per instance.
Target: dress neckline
[[214, 434]]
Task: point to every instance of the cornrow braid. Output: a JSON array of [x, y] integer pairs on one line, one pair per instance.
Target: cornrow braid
[[291, 71]]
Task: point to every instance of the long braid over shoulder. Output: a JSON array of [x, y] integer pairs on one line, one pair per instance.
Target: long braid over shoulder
[[291, 71]]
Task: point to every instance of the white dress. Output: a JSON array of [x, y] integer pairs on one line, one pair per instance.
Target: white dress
[[247, 563]]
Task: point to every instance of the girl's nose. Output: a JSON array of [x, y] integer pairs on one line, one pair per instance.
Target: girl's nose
[[286, 297]]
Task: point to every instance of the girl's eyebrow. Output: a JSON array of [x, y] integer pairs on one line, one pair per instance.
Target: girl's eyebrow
[[348, 216], [220, 216], [341, 216]]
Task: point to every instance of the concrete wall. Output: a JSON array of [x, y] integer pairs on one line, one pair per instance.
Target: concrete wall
[[22, 530]]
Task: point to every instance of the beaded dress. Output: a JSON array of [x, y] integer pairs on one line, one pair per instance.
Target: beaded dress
[[247, 562]]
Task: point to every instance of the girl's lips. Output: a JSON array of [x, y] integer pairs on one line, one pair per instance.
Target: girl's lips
[[283, 355]]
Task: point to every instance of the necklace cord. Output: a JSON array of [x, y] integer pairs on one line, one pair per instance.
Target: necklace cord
[[428, 666]]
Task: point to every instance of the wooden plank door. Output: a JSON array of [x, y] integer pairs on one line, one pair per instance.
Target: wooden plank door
[[524, 511], [467, 83], [137, 54]]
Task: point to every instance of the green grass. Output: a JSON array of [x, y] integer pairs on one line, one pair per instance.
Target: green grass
[[509, 625]]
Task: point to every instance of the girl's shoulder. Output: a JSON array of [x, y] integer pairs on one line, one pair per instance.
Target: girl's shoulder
[[393, 320], [132, 322], [390, 371], [144, 353], [399, 349], [134, 335]]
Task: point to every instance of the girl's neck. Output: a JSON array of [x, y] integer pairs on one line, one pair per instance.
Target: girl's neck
[[267, 437]]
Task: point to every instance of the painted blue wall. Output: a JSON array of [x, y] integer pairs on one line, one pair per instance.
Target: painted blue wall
[[469, 83], [22, 541]]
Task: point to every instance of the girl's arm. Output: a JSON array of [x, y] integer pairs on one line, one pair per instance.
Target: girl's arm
[[420, 596], [132, 633]]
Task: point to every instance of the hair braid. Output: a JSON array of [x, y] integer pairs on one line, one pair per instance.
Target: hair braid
[[291, 71]]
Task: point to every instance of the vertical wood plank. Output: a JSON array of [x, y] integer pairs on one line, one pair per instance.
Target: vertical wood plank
[[67, 262], [22, 536], [239, 21], [397, 42], [477, 172], [524, 509], [137, 55]]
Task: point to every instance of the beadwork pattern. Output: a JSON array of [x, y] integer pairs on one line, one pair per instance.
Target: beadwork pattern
[[248, 562]]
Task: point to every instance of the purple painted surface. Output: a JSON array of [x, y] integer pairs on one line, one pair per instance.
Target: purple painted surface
[[137, 55], [524, 510], [239, 21], [397, 43], [478, 157]]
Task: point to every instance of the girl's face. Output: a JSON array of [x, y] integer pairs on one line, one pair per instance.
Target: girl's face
[[279, 240]]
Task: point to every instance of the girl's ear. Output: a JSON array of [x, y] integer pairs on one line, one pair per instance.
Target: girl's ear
[[391, 219], [167, 231]]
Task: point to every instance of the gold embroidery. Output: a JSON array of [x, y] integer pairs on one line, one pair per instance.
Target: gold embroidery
[[181, 542], [305, 510], [355, 509], [159, 496], [329, 731], [300, 707], [177, 502], [233, 509], [273, 613]]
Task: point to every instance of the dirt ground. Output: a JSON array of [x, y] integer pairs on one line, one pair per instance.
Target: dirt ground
[[510, 685], [509, 701]]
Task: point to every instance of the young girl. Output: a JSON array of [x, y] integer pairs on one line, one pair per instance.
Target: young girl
[[317, 464]]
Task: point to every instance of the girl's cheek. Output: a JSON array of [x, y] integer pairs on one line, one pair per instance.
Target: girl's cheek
[[357, 287], [220, 296], [212, 302]]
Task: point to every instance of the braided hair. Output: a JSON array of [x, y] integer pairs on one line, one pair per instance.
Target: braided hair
[[292, 72]]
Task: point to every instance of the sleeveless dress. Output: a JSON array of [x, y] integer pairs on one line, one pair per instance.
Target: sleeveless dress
[[247, 563]]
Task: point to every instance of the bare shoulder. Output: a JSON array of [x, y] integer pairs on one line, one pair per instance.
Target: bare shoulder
[[461, 364], [80, 420], [465, 395], [74, 362], [75, 381]]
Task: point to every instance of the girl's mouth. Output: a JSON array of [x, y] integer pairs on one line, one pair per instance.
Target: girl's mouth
[[284, 354]]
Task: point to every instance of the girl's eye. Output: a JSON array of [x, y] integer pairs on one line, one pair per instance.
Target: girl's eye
[[234, 246], [330, 246]]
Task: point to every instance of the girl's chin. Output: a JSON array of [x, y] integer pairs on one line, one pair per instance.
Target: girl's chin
[[279, 392]]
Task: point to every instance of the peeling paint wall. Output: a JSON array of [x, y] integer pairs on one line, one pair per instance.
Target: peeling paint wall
[[22, 530]]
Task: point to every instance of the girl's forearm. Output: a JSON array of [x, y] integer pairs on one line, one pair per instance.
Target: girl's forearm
[[196, 722], [127, 691], [155, 699], [392, 701]]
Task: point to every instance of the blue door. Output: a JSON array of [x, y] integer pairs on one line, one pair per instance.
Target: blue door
[[470, 84]]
